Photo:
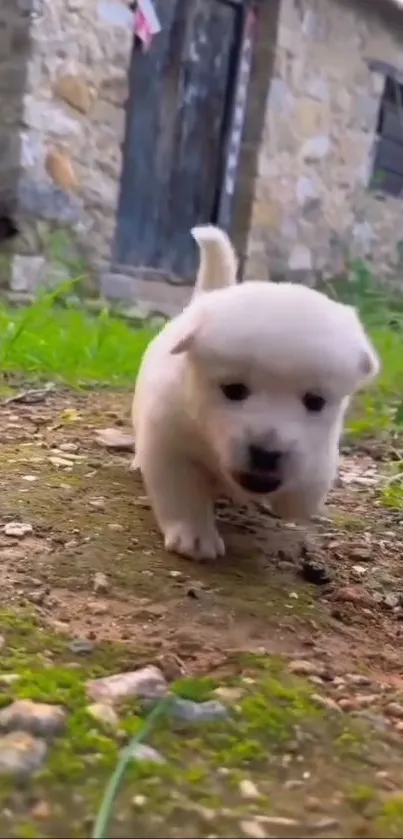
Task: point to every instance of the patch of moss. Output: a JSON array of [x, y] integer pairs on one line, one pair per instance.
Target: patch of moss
[[389, 822]]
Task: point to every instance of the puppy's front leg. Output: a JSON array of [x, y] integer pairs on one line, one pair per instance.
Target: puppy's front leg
[[181, 497]]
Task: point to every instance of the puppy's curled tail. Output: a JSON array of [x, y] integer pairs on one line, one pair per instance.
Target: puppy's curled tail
[[218, 262]]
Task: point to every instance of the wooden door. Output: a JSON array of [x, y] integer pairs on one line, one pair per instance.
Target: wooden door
[[181, 93]]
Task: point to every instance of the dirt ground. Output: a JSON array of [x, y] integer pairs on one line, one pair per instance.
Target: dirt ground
[[326, 601]]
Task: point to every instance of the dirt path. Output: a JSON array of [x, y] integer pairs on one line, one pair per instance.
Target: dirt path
[[296, 633]]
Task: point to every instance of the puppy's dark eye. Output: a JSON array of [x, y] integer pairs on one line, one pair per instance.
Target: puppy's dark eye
[[313, 402], [235, 391]]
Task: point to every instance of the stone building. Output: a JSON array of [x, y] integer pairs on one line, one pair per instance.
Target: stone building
[[313, 131]]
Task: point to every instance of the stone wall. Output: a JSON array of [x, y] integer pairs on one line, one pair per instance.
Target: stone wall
[[70, 137], [14, 57], [312, 211]]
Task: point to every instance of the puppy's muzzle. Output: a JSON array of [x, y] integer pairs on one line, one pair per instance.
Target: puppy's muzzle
[[262, 475]]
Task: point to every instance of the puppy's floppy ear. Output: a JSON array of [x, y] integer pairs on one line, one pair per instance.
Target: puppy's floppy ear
[[188, 325], [369, 363]]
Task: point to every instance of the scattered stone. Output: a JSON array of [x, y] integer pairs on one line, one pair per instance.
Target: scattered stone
[[139, 800], [301, 667], [103, 714], [358, 679], [278, 821], [101, 583], [60, 462], [249, 790], [97, 503], [140, 751], [81, 646], [114, 525], [41, 810], [324, 825], [17, 529], [359, 570], [395, 709], [352, 594], [325, 702], [197, 712], [37, 718], [314, 573], [147, 683], [391, 600], [252, 828], [7, 679], [72, 448], [361, 553], [21, 754]]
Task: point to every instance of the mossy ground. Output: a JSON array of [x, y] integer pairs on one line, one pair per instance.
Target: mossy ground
[[299, 756], [233, 624]]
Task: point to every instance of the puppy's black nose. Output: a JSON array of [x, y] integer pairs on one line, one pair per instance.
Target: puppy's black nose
[[263, 460]]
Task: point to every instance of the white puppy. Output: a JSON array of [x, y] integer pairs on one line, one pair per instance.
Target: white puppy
[[244, 394]]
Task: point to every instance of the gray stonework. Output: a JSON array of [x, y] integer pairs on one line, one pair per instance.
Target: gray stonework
[[70, 134], [63, 81], [312, 210]]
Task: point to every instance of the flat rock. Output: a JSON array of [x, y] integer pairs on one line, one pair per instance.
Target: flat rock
[[36, 718], [21, 754], [103, 714], [198, 712], [140, 751], [17, 529], [147, 683]]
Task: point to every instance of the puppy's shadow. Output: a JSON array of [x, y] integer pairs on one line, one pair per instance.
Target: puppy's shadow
[[258, 542]]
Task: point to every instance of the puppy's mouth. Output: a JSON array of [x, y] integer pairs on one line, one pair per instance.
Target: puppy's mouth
[[258, 484]]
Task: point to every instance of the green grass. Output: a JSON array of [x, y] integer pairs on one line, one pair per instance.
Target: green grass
[[69, 345], [378, 410], [47, 340]]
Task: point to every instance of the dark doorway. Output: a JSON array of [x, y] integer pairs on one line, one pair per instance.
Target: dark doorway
[[183, 92]]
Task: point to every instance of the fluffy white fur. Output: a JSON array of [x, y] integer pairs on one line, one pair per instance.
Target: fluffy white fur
[[282, 341]]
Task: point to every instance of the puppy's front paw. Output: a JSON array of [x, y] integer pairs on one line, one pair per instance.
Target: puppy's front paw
[[186, 540]]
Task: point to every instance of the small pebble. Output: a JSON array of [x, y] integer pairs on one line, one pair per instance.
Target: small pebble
[[391, 600], [37, 718], [357, 679], [140, 751], [21, 754], [325, 702], [60, 462], [41, 810], [324, 825], [103, 714], [114, 525], [248, 790], [279, 821], [17, 529], [395, 709], [148, 682], [195, 712], [81, 646], [139, 800], [301, 667], [101, 583], [359, 570], [252, 828], [9, 678], [68, 447], [97, 503]]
